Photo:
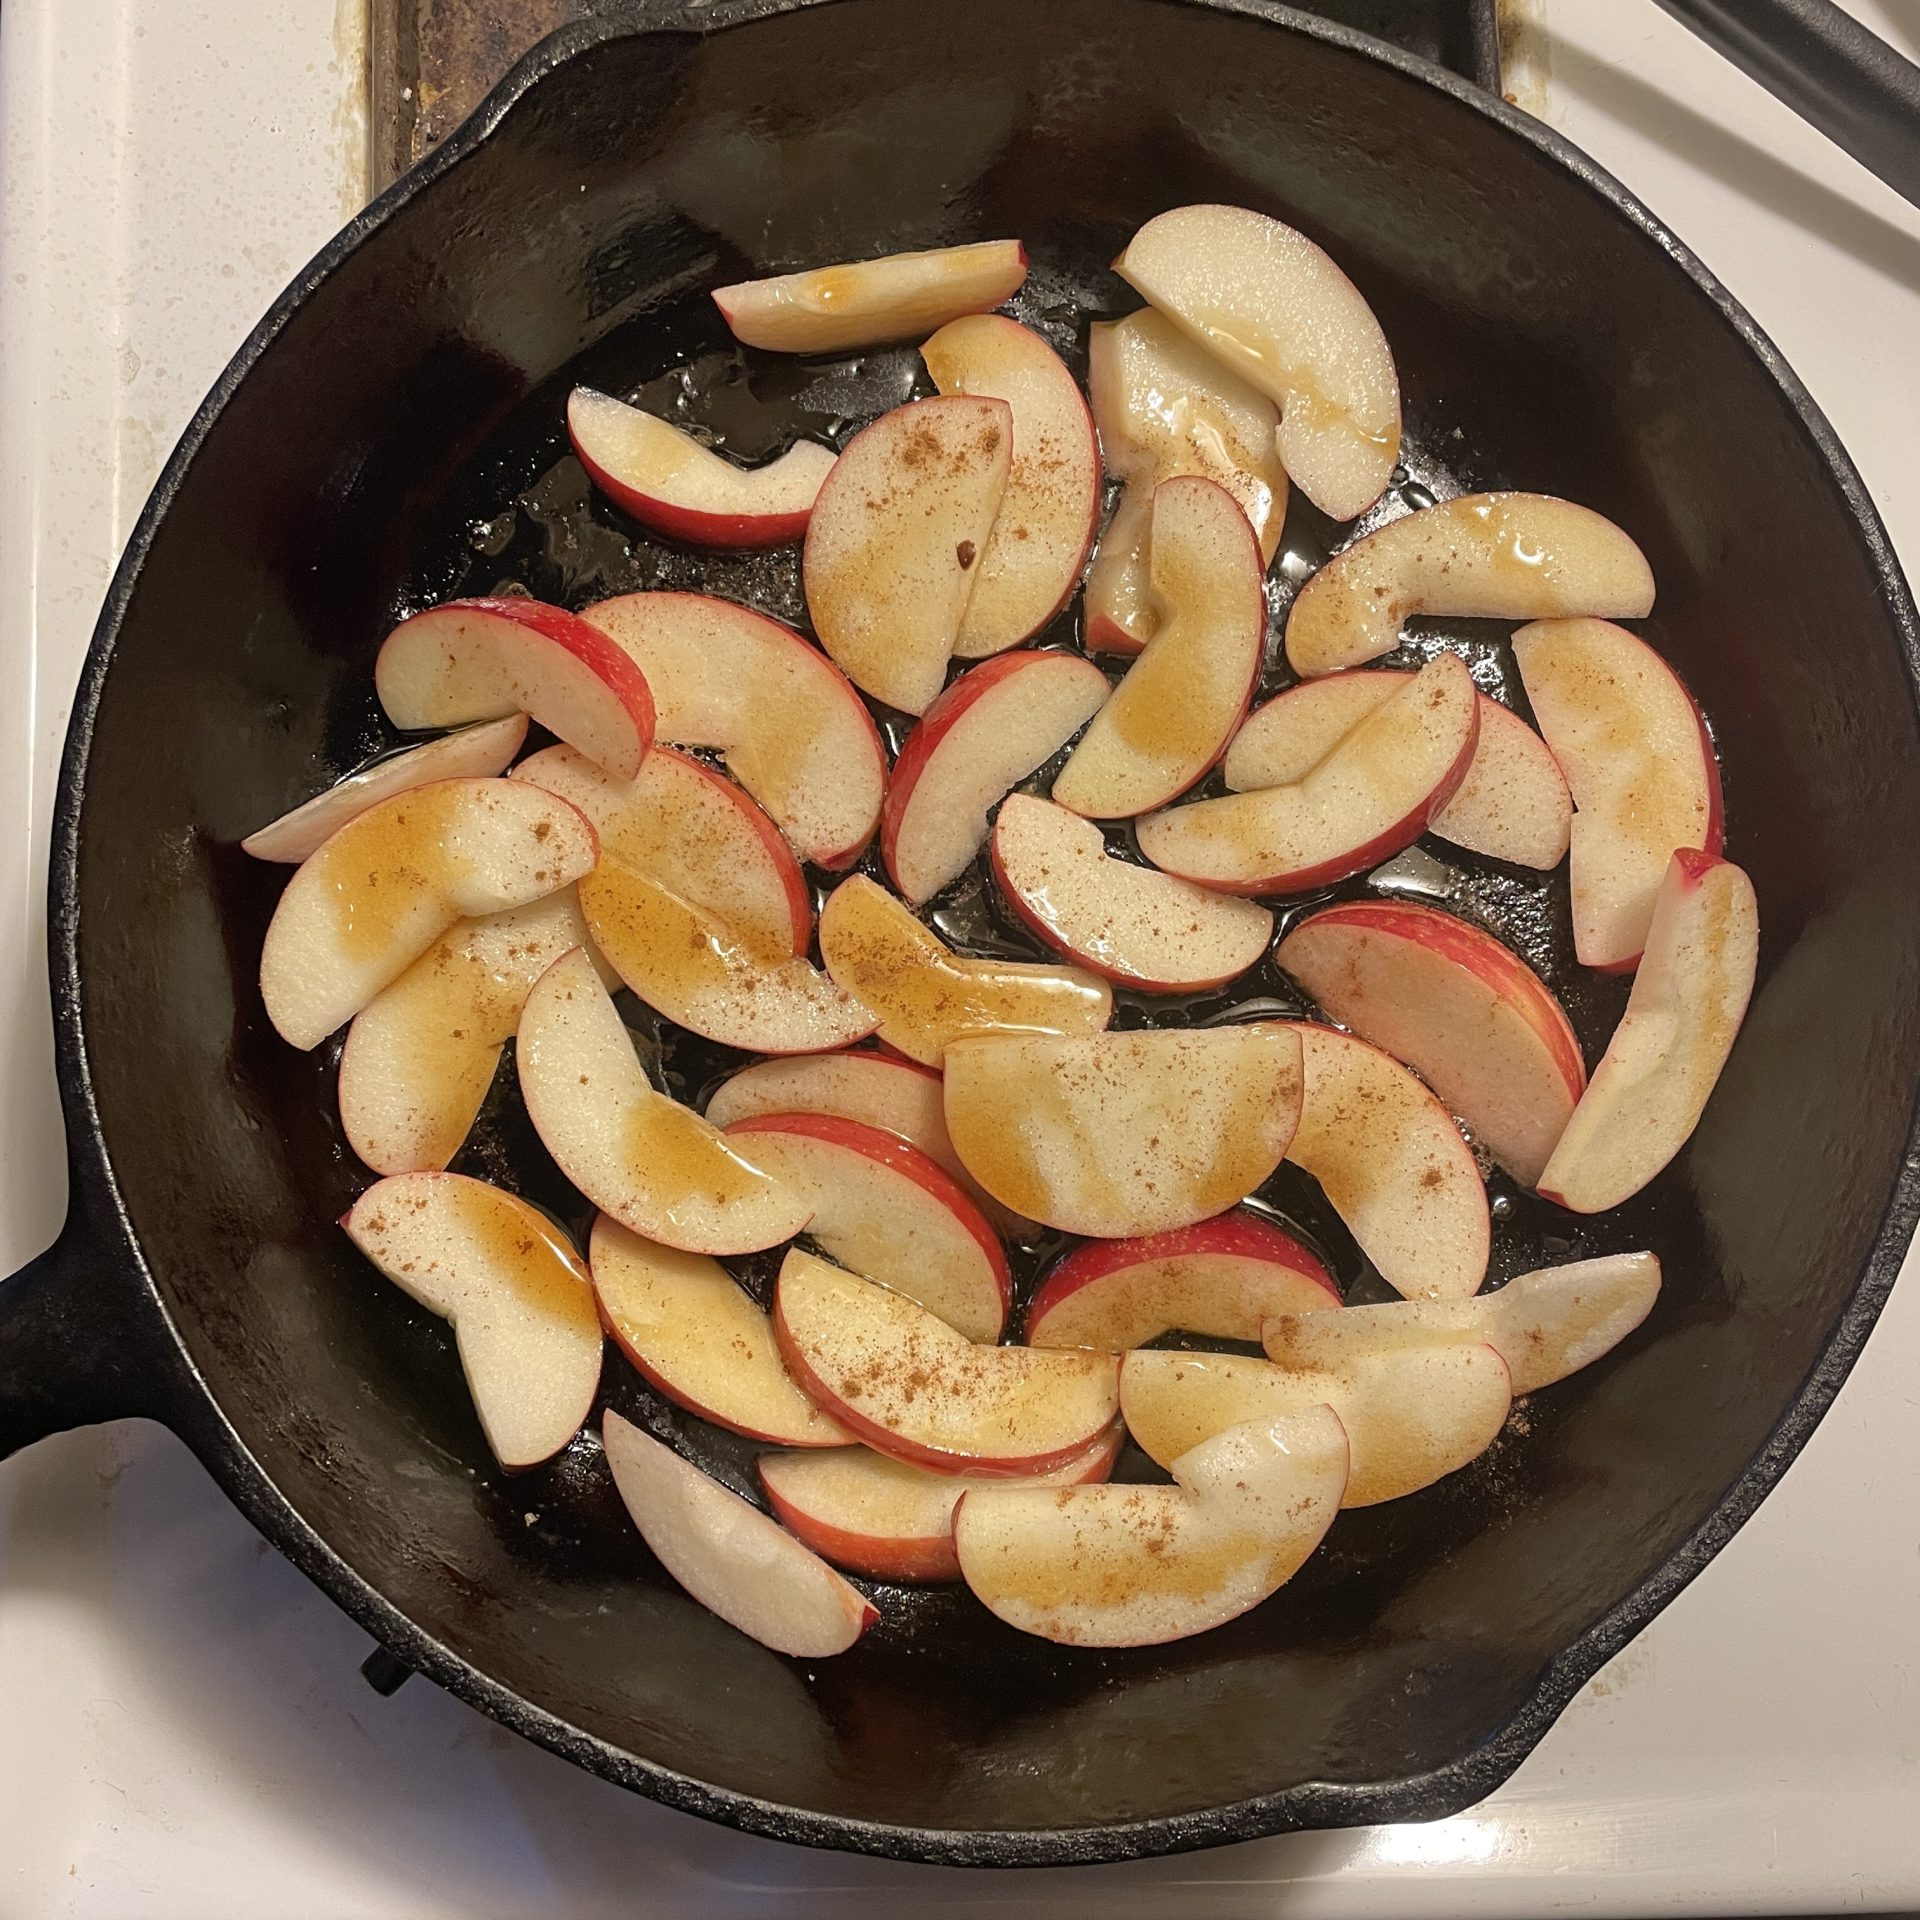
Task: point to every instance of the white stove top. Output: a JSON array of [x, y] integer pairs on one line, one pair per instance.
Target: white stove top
[[182, 1730]]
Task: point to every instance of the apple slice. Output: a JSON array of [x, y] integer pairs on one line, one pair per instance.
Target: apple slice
[[1273, 307], [385, 887], [1169, 720], [887, 1211], [1143, 929], [670, 482], [792, 729], [484, 659], [1132, 1566], [692, 1330], [1393, 1166], [987, 732], [1039, 542], [895, 542], [473, 753], [1413, 1414], [913, 1388], [695, 832], [1665, 1057], [1371, 796], [1544, 1325], [1165, 407], [877, 1089], [694, 968], [887, 1519], [1124, 1133], [925, 995], [421, 1054], [1484, 556], [867, 303], [1511, 804], [654, 1165], [1641, 765], [1469, 1016], [729, 1556], [1223, 1279], [515, 1292]]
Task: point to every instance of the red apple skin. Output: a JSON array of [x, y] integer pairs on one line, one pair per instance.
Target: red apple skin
[[1716, 816], [689, 524], [891, 1151], [786, 861], [1480, 953], [917, 1562], [600, 655], [1237, 1234], [929, 730]]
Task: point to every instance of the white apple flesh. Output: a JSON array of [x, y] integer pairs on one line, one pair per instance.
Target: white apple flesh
[[473, 753], [698, 1336], [1469, 1016], [692, 967], [866, 303], [1223, 1279], [1412, 1414], [1124, 1134], [1641, 767], [1393, 1166], [1130, 1566], [1484, 556], [792, 729], [697, 834], [382, 890], [1511, 804], [421, 1054], [924, 995], [889, 1520], [484, 659], [986, 733], [895, 543], [1033, 557], [728, 1555], [1136, 927], [913, 1388], [888, 1212], [669, 481], [517, 1295], [1170, 719], [1165, 407], [1544, 1325], [1372, 795], [877, 1089], [1664, 1060], [1273, 307], [657, 1167]]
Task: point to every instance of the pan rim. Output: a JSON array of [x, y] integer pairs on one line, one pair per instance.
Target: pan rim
[[1308, 1805]]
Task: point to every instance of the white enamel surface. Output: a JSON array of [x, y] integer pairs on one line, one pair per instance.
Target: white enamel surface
[[748, 1569], [200, 1744], [1017, 724]]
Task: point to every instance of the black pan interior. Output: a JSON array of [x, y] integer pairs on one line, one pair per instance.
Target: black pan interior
[[400, 439]]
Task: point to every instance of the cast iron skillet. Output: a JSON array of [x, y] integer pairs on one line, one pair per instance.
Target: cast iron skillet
[[353, 462]]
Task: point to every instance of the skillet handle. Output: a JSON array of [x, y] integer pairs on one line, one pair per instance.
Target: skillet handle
[[79, 1345]]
